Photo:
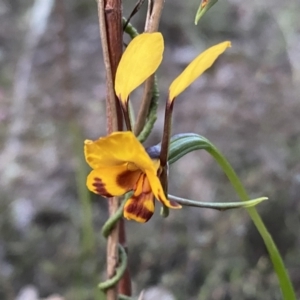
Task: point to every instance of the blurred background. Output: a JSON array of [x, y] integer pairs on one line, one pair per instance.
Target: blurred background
[[52, 98]]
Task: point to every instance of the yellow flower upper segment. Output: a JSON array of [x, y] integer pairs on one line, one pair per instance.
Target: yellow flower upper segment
[[143, 56], [116, 149], [140, 60], [198, 66]]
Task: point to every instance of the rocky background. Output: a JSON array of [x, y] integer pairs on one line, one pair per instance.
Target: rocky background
[[52, 98]]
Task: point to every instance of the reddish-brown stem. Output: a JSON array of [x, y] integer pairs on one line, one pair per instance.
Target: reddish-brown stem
[[110, 20], [126, 116], [114, 34], [152, 23], [164, 152], [166, 134], [125, 283]]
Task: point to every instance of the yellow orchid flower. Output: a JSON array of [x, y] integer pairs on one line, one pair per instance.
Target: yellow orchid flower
[[119, 161], [121, 164]]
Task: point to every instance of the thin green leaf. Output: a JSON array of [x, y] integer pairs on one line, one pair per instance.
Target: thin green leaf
[[193, 142], [217, 205]]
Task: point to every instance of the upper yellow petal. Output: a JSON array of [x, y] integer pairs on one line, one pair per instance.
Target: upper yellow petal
[[141, 58], [198, 66], [116, 149]]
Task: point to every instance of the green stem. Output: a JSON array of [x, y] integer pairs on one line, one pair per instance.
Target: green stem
[[129, 29], [283, 277], [152, 114]]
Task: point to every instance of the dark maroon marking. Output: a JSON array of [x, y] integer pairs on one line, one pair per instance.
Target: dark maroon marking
[[100, 188], [122, 180], [139, 210]]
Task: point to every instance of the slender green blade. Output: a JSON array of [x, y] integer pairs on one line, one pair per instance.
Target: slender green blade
[[185, 143], [217, 205]]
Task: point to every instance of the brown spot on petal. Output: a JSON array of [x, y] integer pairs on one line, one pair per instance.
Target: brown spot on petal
[[100, 188], [123, 179], [137, 209]]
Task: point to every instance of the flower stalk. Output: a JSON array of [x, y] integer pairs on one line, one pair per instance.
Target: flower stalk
[[166, 133], [165, 151], [110, 22], [152, 23]]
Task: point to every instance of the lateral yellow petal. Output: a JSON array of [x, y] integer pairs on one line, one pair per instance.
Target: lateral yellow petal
[[141, 58], [140, 207], [112, 181], [158, 191], [116, 149], [198, 66]]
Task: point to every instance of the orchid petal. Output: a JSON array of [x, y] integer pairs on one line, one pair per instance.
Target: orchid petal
[[112, 181], [198, 66], [158, 192], [116, 149], [140, 207], [141, 59]]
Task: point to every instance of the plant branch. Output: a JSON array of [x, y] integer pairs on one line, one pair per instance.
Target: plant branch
[[111, 56], [110, 22], [152, 23], [164, 152]]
